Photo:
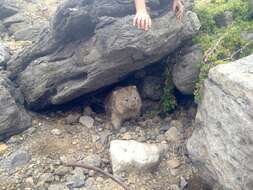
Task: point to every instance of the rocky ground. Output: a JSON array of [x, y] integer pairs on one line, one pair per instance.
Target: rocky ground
[[32, 159]]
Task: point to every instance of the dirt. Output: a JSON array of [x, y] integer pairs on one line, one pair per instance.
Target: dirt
[[73, 143]]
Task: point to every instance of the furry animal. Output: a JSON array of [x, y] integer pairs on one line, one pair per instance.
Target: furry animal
[[123, 104]]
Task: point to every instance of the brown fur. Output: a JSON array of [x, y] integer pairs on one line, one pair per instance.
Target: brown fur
[[123, 104]]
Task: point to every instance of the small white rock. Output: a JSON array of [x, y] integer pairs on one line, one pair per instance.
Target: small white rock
[[56, 132], [87, 121], [130, 155]]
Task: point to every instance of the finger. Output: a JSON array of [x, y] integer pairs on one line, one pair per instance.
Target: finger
[[146, 24], [149, 23], [143, 20], [139, 22], [174, 7], [134, 20]]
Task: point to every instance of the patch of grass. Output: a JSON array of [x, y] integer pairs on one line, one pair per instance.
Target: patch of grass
[[222, 44]]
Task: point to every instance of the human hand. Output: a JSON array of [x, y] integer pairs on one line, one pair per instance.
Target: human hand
[[178, 7], [142, 20]]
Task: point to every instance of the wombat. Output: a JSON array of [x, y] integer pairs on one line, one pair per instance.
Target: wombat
[[123, 104]]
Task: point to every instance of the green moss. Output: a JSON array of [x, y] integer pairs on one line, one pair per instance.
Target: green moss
[[225, 44]]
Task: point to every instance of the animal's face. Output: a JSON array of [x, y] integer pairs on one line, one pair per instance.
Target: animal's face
[[127, 99]]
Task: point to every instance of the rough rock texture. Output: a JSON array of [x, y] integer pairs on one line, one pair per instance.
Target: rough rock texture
[[91, 44], [123, 104], [186, 70], [16, 159], [7, 8], [28, 33], [222, 143], [13, 119], [152, 87], [4, 55], [224, 19], [251, 7], [134, 156]]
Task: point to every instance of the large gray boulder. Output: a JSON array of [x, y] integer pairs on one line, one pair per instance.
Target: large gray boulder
[[186, 70], [13, 118], [222, 143], [91, 44]]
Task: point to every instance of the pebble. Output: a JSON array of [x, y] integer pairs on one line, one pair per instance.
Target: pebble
[[16, 159], [46, 178], [3, 147], [75, 181], [174, 163], [58, 187], [176, 123], [87, 121], [62, 170], [172, 135], [93, 160], [56, 132], [72, 118], [29, 181], [183, 183], [174, 187]]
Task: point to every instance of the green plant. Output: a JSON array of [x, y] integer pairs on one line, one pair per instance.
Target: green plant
[[222, 45], [168, 100]]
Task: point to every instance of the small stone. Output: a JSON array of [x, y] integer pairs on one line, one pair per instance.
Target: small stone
[[123, 130], [99, 179], [89, 183], [3, 147], [127, 136], [58, 187], [76, 180], [72, 118], [174, 163], [164, 128], [62, 170], [133, 155], [91, 173], [93, 160], [87, 121], [183, 183], [174, 187], [29, 181], [46, 178], [176, 123], [16, 159], [56, 132], [75, 142], [172, 135]]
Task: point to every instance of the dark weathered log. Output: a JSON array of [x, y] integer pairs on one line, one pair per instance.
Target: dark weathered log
[[91, 44]]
